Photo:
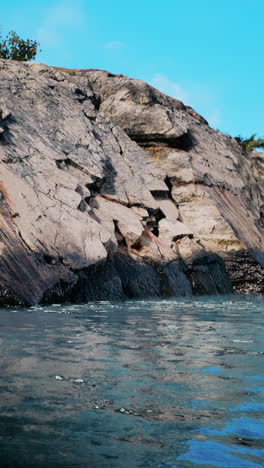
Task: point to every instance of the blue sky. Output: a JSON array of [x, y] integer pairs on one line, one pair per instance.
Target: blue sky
[[207, 53]]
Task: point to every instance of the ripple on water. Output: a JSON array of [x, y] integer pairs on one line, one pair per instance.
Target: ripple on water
[[173, 383]]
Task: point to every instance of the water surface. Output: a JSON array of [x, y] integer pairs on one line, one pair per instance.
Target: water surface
[[162, 384]]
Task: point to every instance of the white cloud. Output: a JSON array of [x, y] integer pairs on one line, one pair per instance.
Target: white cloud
[[62, 15], [202, 98], [65, 13], [114, 45], [163, 84], [48, 37]]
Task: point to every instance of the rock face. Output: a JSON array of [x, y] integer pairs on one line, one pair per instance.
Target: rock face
[[110, 190]]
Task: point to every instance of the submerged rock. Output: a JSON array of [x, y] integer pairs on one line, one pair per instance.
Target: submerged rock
[[110, 189]]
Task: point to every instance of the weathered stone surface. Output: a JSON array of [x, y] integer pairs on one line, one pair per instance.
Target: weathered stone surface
[[199, 211], [127, 221], [188, 247], [106, 185], [169, 209], [205, 168], [141, 212], [173, 230]]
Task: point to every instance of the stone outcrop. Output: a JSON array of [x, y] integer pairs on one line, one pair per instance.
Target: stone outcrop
[[110, 189]]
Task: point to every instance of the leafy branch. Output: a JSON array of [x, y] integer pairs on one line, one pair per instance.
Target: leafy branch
[[12, 47], [251, 143]]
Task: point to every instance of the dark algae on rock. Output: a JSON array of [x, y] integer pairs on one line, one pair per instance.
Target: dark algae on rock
[[110, 190]]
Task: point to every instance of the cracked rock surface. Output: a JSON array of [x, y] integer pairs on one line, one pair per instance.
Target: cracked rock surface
[[110, 189]]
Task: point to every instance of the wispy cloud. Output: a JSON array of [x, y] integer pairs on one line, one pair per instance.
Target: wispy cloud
[[47, 37], [214, 118], [114, 45], [63, 14], [200, 97], [169, 87]]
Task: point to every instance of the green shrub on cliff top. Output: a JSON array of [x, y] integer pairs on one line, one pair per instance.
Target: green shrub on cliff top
[[249, 144], [15, 48]]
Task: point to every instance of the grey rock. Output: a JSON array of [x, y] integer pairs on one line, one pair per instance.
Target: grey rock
[[141, 212], [107, 184], [169, 209], [172, 230], [176, 280], [127, 221]]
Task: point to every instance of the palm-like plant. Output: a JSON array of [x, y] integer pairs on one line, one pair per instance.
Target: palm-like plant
[[251, 143]]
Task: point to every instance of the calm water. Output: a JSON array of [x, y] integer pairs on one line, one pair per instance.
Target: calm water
[[162, 384]]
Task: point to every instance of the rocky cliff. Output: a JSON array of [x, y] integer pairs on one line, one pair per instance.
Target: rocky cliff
[[110, 189]]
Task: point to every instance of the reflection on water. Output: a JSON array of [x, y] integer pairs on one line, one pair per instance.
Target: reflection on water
[[165, 384]]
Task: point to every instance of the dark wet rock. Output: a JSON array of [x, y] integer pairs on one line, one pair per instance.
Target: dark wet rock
[[139, 279], [245, 272], [117, 278], [120, 192], [209, 275], [175, 280], [98, 282]]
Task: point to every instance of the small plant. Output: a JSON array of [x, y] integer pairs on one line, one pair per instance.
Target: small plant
[[15, 48], [249, 144]]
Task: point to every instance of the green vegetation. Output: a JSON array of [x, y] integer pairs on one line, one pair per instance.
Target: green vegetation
[[12, 47], [249, 144]]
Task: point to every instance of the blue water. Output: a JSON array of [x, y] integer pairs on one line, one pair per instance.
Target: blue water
[[162, 384]]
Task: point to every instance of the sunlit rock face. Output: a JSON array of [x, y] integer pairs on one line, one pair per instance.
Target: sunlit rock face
[[109, 189]]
